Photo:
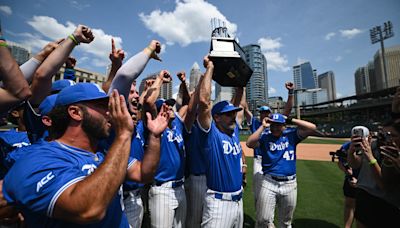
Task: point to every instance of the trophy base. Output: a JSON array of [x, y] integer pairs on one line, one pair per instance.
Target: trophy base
[[230, 71]]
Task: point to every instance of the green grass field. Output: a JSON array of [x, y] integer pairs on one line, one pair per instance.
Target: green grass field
[[319, 197], [243, 138]]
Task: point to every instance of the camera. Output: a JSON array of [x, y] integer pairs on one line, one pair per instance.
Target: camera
[[362, 132], [338, 154]]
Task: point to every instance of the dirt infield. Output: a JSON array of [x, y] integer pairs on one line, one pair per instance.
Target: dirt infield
[[305, 151]]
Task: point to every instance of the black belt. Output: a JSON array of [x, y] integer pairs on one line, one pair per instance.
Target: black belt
[[281, 178]]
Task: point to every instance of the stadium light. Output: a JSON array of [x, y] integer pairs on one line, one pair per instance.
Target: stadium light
[[377, 35]]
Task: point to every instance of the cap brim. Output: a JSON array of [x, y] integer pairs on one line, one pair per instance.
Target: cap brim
[[234, 109]]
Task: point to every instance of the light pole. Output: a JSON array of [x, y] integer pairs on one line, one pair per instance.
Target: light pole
[[377, 35]]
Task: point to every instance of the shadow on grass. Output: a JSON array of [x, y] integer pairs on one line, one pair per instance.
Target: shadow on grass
[[248, 221], [313, 223]]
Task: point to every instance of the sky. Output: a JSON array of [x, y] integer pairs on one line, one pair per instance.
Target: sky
[[332, 34]]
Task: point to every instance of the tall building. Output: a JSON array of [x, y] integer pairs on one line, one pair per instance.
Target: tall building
[[166, 88], [304, 76], [362, 78], [327, 81], [195, 74], [20, 53], [315, 76], [257, 87], [82, 75], [392, 57]]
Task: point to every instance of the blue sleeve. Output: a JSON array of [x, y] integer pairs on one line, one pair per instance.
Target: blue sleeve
[[43, 183]]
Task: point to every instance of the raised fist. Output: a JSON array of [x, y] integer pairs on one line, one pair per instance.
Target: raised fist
[[165, 76], [182, 76], [154, 49], [83, 34], [207, 62], [289, 85]]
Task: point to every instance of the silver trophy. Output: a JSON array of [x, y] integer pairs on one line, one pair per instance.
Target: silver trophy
[[230, 67]]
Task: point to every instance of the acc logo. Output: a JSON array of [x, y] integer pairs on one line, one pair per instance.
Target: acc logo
[[279, 146], [89, 167], [44, 181], [228, 148]]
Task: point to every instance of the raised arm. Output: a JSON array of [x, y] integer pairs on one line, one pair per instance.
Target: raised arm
[[290, 101], [41, 84], [245, 112], [253, 140], [88, 200], [153, 92], [144, 171], [236, 101], [191, 114], [30, 66], [116, 57], [184, 92], [305, 128], [15, 87], [204, 109], [133, 68]]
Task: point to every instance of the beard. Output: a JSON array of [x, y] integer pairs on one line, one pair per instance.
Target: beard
[[95, 128]]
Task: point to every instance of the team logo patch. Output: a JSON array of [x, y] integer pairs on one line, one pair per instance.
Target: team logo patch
[[89, 168], [44, 181]]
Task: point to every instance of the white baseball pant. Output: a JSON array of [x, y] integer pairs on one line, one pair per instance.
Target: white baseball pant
[[272, 193], [257, 177], [133, 207], [222, 212], [196, 188], [167, 206]]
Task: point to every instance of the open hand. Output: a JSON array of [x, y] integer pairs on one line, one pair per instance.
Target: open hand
[[120, 118], [160, 123]]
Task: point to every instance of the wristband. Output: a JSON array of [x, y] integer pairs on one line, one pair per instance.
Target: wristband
[[244, 165], [289, 120], [373, 162], [73, 38], [3, 44], [291, 91], [151, 50]]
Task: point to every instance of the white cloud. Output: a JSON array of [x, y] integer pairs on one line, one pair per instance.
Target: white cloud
[[53, 30], [275, 60], [271, 90], [338, 58], [78, 5], [188, 23], [339, 95], [329, 35], [350, 33], [6, 10]]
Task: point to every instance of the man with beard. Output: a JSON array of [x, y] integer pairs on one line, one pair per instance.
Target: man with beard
[[278, 151], [223, 205], [65, 183]]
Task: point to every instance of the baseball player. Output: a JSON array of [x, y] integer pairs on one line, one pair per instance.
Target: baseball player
[[278, 151], [167, 200], [254, 124], [119, 78], [67, 184], [223, 206]]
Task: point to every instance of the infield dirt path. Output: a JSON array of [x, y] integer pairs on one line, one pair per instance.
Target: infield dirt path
[[305, 151]]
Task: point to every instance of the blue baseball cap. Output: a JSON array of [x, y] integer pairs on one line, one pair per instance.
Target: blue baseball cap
[[61, 84], [47, 104], [264, 108], [161, 101], [278, 118], [223, 107], [80, 92]]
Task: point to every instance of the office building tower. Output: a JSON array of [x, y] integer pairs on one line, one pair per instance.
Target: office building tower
[[327, 81]]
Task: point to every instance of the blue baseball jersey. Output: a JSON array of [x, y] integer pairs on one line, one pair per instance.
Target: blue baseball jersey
[[195, 158], [279, 153], [136, 153], [35, 183], [19, 152], [15, 138], [172, 157], [223, 156], [255, 124]]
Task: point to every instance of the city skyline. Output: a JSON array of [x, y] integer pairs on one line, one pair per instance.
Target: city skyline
[[333, 36]]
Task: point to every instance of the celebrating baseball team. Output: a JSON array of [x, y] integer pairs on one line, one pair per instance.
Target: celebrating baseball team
[[91, 156]]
